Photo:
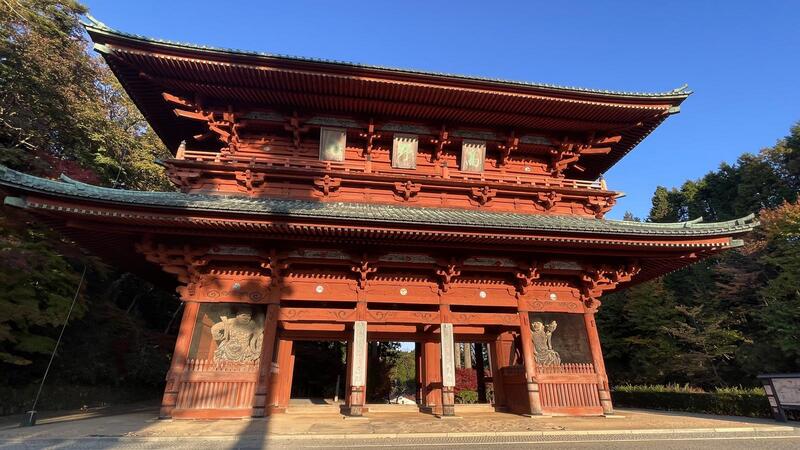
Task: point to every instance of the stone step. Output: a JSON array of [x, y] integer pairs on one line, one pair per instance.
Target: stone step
[[391, 407], [312, 406], [474, 408]]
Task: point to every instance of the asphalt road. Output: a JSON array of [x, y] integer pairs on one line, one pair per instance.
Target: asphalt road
[[705, 441]]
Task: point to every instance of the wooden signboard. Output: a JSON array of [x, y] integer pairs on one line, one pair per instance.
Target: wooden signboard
[[783, 393], [332, 144], [473, 154], [404, 151]]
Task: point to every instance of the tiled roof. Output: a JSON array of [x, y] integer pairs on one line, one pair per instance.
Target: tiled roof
[[99, 27], [347, 212]]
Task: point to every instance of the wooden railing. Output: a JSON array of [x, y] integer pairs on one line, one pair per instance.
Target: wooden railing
[[208, 365], [568, 368], [268, 162], [556, 396], [208, 384]]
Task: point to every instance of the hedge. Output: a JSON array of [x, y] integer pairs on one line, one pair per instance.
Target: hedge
[[728, 401], [15, 400]]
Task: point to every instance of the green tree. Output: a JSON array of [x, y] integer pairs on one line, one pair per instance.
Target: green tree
[[730, 317], [62, 111]]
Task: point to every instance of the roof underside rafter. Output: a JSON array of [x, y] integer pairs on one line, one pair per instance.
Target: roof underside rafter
[[98, 217], [147, 68]]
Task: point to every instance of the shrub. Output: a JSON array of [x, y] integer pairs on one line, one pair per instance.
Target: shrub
[[735, 401], [467, 396], [466, 379]]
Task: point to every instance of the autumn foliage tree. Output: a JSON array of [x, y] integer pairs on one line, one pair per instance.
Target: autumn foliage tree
[[726, 319], [62, 112]]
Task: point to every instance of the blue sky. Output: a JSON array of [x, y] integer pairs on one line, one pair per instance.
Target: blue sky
[[740, 58]]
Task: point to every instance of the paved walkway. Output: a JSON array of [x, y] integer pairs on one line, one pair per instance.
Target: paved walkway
[[139, 425]]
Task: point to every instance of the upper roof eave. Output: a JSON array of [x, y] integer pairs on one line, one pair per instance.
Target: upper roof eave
[[439, 217], [101, 34]]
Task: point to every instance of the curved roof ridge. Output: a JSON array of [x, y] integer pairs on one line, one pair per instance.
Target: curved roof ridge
[[682, 91]]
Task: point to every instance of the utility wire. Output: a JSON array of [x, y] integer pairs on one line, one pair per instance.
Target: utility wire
[[60, 335]]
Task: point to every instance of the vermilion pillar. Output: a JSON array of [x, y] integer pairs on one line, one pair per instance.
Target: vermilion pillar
[[281, 381], [179, 356], [499, 358], [265, 370], [432, 376], [597, 359], [530, 364]]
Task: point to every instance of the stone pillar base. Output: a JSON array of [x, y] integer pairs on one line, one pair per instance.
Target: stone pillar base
[[448, 401]]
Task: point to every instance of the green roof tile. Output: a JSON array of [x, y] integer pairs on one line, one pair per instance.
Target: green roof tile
[[348, 211]]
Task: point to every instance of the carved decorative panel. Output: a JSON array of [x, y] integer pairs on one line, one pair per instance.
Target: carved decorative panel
[[331, 144], [227, 333], [404, 151], [473, 155], [559, 338]]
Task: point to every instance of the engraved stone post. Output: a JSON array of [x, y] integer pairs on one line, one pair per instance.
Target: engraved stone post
[[358, 368], [448, 370]]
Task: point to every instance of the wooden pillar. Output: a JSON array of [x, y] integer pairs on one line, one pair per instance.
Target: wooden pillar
[[498, 358], [467, 355], [433, 377], [281, 383], [480, 372], [260, 400], [526, 342], [597, 358], [358, 368], [448, 370], [179, 357]]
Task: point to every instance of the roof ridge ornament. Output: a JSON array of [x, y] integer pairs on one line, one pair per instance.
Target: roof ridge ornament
[[682, 89], [93, 22]]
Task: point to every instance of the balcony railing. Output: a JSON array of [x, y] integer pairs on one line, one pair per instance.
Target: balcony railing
[[361, 168]]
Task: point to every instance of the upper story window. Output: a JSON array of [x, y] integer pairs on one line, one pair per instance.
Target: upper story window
[[404, 151], [332, 143], [473, 155]]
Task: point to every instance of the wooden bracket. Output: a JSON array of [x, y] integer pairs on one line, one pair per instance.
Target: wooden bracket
[[547, 199], [600, 205], [296, 127], [327, 185], [250, 180], [447, 273], [511, 144], [482, 195], [526, 276], [407, 190], [370, 136], [439, 143], [362, 269], [275, 265]]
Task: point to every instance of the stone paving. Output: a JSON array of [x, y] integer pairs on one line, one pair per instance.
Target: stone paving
[[142, 422]]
